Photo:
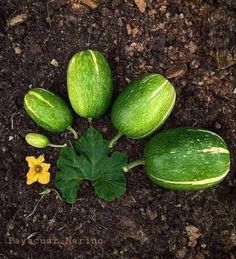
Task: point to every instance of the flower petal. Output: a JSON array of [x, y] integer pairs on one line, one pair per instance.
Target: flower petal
[[32, 177], [31, 161], [45, 166], [44, 177], [40, 159]]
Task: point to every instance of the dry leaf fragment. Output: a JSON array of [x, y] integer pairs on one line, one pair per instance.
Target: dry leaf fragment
[[192, 46], [131, 229], [77, 7], [224, 59], [176, 71], [151, 213], [92, 4], [17, 19], [141, 4], [193, 234]]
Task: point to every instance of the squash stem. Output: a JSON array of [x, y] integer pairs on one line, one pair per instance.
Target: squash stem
[[90, 121], [133, 164], [73, 132], [54, 145], [114, 140]]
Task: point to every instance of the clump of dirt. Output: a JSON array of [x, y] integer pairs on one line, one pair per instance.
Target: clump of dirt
[[191, 42]]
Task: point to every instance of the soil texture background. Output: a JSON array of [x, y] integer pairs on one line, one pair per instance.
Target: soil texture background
[[190, 42]]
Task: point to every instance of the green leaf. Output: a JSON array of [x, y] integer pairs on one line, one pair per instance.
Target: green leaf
[[89, 160]]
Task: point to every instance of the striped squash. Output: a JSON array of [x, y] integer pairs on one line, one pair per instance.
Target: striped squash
[[89, 83], [186, 159], [48, 110], [143, 106]]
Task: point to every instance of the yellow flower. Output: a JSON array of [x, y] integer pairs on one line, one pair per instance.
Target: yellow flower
[[38, 171]]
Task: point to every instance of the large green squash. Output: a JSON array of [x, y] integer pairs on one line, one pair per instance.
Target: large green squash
[[143, 106], [48, 110], [89, 83], [186, 159]]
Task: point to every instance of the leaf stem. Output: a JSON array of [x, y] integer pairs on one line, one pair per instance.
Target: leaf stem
[[73, 132], [54, 145], [114, 140], [133, 164]]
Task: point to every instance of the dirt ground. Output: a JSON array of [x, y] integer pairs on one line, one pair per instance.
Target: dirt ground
[[190, 42]]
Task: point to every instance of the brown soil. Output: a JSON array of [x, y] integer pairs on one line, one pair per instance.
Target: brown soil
[[191, 42]]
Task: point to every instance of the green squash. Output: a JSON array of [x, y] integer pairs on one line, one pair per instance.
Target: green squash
[[37, 140], [40, 141], [89, 83], [48, 110], [143, 106], [186, 159]]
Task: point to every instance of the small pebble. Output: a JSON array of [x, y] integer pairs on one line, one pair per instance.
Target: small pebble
[[134, 31], [54, 62], [163, 217], [128, 29], [217, 125], [141, 4], [3, 149], [18, 50], [115, 252], [61, 23], [181, 253]]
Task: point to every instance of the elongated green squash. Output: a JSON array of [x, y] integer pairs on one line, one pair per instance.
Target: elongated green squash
[[186, 159], [89, 83], [143, 106], [48, 110]]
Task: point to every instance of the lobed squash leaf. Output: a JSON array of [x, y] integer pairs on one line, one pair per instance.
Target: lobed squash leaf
[[89, 160]]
